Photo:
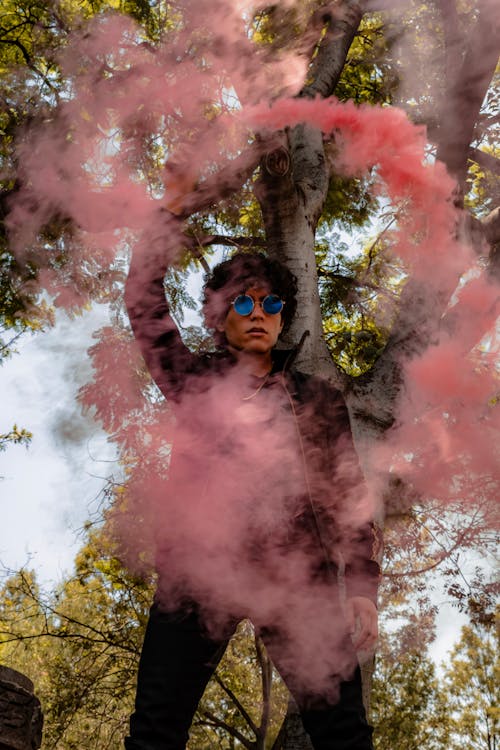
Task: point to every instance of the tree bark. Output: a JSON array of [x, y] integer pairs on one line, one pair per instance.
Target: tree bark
[[292, 197], [491, 225], [466, 88], [291, 191], [341, 24]]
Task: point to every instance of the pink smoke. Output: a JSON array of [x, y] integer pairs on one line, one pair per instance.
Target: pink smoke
[[445, 443], [88, 163], [384, 138], [219, 519]]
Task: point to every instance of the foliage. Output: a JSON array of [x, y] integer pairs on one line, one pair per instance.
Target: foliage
[[16, 436], [245, 702], [368, 75], [21, 309], [359, 294], [408, 708], [34, 33], [484, 190], [471, 680], [80, 645], [414, 706]]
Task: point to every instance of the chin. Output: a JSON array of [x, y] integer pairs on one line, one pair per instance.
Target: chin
[[258, 347]]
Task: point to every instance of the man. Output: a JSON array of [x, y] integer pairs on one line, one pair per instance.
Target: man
[[266, 452]]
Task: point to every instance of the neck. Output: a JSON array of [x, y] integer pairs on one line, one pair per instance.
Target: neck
[[254, 363]]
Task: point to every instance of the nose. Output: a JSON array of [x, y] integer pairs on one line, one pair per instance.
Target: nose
[[258, 311]]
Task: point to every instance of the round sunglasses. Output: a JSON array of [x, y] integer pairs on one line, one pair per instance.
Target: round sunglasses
[[243, 304]]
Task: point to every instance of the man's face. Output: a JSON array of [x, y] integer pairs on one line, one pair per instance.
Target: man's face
[[257, 332]]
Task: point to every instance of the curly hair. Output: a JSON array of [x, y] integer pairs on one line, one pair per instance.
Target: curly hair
[[236, 275]]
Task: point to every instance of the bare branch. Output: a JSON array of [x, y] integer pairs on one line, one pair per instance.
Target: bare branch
[[266, 671], [237, 703], [216, 722], [29, 62], [239, 241]]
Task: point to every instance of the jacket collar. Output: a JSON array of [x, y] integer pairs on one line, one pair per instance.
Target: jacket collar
[[283, 359]]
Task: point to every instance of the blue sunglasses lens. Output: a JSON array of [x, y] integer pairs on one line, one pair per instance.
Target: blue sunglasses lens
[[243, 304], [272, 304]]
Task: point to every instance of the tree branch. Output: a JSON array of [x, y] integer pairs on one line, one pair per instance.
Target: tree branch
[[353, 281], [238, 241], [340, 25], [20, 46], [266, 671], [491, 225], [28, 61], [215, 722], [196, 243], [227, 180], [451, 34], [292, 200], [465, 94], [237, 703], [485, 160]]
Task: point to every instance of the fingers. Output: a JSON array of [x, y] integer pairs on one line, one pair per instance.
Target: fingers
[[362, 620], [365, 635], [350, 617]]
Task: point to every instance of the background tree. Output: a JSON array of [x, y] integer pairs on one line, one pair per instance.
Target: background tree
[[375, 311], [408, 708], [471, 681], [246, 699], [81, 646]]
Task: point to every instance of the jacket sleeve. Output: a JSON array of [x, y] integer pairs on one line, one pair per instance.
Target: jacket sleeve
[[362, 570], [167, 357], [359, 539]]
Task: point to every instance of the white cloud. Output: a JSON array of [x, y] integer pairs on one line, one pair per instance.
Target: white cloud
[[47, 489]]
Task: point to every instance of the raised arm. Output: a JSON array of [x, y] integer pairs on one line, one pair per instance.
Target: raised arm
[[167, 357]]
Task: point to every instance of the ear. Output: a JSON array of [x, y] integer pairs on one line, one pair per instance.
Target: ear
[[220, 327]]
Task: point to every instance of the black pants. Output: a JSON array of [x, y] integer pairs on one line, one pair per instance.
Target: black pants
[[176, 664]]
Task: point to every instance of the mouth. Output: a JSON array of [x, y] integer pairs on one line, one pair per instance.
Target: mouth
[[257, 331]]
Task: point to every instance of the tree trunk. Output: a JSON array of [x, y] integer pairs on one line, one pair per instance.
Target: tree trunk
[[471, 63], [291, 191]]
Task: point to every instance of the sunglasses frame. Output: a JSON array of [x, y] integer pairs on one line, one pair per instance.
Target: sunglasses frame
[[257, 302]]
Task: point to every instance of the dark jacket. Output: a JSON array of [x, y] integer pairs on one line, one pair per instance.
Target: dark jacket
[[325, 509]]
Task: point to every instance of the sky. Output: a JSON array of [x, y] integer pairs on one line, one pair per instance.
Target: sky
[[48, 490]]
